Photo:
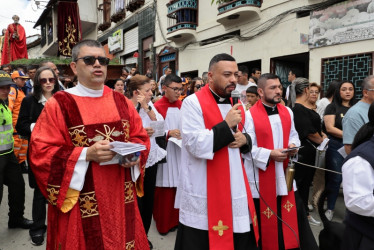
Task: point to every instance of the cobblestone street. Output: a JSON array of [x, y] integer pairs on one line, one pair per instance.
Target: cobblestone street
[[19, 239]]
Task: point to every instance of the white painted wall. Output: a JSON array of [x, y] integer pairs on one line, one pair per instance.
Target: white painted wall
[[88, 10], [281, 40]]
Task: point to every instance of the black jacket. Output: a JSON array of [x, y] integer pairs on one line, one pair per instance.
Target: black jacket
[[29, 113]]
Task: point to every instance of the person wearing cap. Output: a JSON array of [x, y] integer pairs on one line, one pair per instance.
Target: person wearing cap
[[16, 96], [10, 171], [185, 89]]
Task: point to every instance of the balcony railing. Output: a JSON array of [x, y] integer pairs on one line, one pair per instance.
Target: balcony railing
[[237, 4], [182, 14]]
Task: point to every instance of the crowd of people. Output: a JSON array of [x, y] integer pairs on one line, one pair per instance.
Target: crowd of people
[[216, 171]]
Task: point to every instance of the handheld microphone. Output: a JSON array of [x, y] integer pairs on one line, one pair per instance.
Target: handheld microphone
[[235, 95], [138, 107]]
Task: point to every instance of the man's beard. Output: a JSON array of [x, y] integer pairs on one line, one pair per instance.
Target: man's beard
[[273, 101], [227, 95]]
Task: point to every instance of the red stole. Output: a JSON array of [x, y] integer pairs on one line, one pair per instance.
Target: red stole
[[269, 226], [163, 104], [220, 221]]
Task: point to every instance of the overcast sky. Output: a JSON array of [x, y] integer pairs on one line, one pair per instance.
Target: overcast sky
[[24, 9]]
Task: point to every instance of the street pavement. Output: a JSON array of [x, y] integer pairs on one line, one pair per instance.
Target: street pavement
[[19, 239]]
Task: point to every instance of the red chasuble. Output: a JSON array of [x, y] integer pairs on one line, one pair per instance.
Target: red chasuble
[[220, 221], [106, 215], [269, 226], [14, 48]]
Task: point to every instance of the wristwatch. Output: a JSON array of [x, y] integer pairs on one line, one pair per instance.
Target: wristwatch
[[148, 109]]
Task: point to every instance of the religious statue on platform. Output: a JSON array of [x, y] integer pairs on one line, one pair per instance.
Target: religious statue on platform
[[14, 46]]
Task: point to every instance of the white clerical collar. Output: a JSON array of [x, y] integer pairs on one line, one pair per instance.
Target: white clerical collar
[[81, 90], [272, 107], [221, 99]]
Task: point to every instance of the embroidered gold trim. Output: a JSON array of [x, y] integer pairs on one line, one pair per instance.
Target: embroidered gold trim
[[126, 129], [129, 193], [78, 136], [255, 220], [130, 245], [88, 204], [52, 191], [220, 228], [268, 213], [288, 206]]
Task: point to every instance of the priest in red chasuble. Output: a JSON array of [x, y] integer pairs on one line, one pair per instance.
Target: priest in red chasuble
[[14, 46], [92, 198], [216, 209], [272, 130]]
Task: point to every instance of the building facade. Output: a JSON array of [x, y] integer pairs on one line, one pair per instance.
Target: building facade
[[325, 39], [126, 29]]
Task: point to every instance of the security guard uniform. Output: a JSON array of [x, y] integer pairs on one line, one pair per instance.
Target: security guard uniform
[[10, 170]]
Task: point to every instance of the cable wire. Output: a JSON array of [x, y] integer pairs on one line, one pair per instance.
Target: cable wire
[[263, 200]]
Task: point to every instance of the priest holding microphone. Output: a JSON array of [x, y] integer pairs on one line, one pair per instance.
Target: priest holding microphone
[[213, 195]]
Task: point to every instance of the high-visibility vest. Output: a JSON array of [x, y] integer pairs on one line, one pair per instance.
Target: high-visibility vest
[[6, 130]]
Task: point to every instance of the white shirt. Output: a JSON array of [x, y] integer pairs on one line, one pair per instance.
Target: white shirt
[[358, 186], [80, 169], [321, 106], [156, 153], [191, 198], [262, 155], [168, 173], [243, 91]]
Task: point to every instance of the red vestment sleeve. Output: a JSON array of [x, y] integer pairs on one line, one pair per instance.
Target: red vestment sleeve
[[52, 154]]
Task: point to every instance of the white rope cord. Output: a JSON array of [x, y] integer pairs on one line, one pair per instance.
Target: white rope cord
[[324, 169]]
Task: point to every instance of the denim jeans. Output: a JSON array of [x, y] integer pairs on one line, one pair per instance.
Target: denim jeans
[[334, 161]]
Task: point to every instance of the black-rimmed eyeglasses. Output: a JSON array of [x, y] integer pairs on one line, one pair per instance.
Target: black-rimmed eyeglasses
[[176, 90], [90, 60]]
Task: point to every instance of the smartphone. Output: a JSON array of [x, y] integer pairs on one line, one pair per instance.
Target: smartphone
[[290, 149]]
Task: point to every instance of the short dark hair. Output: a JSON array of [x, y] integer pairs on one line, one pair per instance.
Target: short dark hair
[[38, 91], [252, 90], [6, 66], [314, 84], [125, 69], [253, 70], [44, 62], [243, 69], [254, 78], [297, 72], [31, 67], [87, 42], [261, 83], [172, 78], [220, 57]]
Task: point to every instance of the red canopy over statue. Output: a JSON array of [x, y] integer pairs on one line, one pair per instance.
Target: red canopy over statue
[[14, 43]]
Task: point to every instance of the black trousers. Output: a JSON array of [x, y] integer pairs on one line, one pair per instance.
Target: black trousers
[[355, 240], [304, 178], [39, 213], [306, 238], [11, 175], [145, 203], [191, 238]]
